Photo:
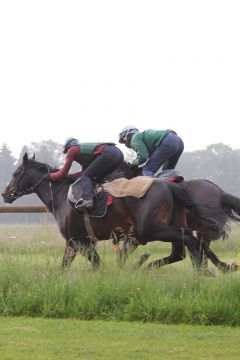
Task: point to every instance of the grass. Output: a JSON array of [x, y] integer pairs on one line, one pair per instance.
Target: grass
[[54, 339], [136, 314], [31, 283]]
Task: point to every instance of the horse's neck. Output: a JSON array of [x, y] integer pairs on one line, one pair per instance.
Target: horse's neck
[[52, 194]]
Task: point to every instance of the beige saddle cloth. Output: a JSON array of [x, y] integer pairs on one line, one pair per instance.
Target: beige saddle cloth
[[136, 187]]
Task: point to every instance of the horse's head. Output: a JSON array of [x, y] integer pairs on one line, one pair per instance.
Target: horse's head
[[24, 179]]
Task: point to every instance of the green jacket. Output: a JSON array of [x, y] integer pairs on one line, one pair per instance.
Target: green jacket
[[89, 148], [146, 142]]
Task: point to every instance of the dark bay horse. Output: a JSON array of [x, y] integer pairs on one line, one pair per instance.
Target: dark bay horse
[[159, 215], [224, 206]]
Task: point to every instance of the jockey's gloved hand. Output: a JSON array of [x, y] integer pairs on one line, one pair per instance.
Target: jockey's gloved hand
[[135, 169], [47, 177], [71, 178]]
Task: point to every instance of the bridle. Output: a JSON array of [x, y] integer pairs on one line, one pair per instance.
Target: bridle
[[29, 190]]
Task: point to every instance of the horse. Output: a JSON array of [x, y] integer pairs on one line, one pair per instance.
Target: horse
[[159, 215], [224, 206]]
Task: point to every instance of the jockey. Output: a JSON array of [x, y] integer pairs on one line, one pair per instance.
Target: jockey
[[154, 148], [97, 161]]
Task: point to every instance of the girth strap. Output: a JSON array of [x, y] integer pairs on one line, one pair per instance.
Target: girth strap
[[89, 228]]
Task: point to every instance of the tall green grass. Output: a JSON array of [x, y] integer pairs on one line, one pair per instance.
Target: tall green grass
[[32, 283]]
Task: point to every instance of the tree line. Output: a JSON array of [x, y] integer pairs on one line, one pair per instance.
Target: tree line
[[218, 163]]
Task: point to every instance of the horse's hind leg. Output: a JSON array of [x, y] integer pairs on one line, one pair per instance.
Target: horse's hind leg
[[202, 256], [168, 234], [182, 237], [193, 247], [177, 254], [215, 260]]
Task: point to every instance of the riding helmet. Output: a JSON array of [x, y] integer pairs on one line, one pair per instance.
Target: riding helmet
[[69, 143], [129, 129]]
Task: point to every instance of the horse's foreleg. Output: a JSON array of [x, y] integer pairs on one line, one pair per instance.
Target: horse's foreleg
[[88, 250], [130, 244], [69, 253]]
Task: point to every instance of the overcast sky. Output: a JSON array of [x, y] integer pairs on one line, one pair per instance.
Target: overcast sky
[[88, 68]]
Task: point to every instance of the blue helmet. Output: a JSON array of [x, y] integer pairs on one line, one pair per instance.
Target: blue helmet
[[129, 129], [69, 143]]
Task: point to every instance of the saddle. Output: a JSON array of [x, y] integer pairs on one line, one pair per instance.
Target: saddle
[[169, 175], [101, 200], [119, 187]]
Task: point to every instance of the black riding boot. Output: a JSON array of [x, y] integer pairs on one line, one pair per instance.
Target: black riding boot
[[88, 194]]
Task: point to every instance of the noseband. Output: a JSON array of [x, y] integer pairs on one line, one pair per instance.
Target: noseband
[[16, 194], [29, 190]]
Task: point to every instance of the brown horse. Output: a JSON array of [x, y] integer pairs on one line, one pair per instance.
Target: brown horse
[[159, 215], [225, 209]]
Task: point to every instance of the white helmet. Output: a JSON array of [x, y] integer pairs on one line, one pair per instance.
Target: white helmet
[[129, 129]]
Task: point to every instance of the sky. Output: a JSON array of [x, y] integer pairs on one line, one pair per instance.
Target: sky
[[88, 68]]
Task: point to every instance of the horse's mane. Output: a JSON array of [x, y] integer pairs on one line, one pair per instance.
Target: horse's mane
[[39, 165], [124, 170], [45, 168]]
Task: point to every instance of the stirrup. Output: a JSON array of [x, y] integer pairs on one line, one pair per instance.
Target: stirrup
[[88, 204], [78, 203]]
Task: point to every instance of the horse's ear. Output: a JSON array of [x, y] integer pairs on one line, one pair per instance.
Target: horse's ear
[[33, 157], [25, 158]]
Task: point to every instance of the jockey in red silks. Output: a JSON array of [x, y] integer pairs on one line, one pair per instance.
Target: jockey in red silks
[[97, 161]]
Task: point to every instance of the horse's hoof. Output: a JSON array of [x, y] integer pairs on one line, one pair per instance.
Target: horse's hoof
[[234, 267], [229, 267], [209, 272], [143, 258]]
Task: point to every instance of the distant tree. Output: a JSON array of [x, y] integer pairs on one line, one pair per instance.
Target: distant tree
[[7, 162], [24, 150], [48, 152], [218, 163]]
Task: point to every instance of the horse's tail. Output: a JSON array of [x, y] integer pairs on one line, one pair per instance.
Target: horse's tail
[[231, 206], [204, 214]]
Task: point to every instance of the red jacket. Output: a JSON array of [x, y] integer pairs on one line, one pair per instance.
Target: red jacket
[[73, 154]]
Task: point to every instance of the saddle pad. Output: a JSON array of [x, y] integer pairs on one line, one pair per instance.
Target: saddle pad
[[136, 187], [101, 200], [99, 210]]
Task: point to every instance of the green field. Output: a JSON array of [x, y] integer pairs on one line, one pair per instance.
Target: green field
[[54, 339], [126, 305]]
